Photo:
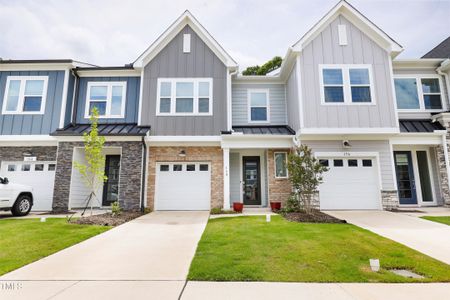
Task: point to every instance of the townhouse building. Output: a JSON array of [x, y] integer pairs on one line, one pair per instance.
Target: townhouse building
[[185, 131]]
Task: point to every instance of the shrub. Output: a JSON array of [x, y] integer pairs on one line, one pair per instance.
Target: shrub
[[116, 209]]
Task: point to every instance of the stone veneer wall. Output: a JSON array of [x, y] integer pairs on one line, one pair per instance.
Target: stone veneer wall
[[130, 179], [279, 188], [214, 155], [45, 153], [389, 200], [443, 175]]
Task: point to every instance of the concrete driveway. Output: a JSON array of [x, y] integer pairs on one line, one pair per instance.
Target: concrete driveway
[[149, 255], [428, 237]]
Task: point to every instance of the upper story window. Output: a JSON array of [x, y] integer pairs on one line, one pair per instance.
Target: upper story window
[[258, 106], [417, 93], [346, 84], [25, 95], [108, 97], [184, 96]]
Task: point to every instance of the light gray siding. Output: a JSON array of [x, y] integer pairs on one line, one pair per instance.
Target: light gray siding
[[69, 104], [277, 102], [37, 123], [292, 100], [382, 147], [235, 177], [325, 49], [172, 62], [131, 105]]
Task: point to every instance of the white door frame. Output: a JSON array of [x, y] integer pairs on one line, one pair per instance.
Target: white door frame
[[415, 165]]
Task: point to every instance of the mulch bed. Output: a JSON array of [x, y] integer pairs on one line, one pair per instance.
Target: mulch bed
[[314, 217], [107, 219]]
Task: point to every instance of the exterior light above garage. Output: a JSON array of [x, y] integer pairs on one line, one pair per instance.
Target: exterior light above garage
[[182, 153]]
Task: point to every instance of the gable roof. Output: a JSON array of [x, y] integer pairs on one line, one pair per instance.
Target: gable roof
[[440, 51], [359, 20], [185, 19]]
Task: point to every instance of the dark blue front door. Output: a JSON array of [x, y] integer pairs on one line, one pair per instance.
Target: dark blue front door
[[405, 177]]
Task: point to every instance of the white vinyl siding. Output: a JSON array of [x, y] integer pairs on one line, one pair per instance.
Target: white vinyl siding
[[277, 95]]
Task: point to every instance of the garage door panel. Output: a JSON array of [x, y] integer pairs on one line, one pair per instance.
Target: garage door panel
[[350, 187], [182, 189], [39, 175]]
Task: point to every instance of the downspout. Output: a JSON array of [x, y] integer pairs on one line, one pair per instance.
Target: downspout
[[76, 94], [144, 172], [447, 84]]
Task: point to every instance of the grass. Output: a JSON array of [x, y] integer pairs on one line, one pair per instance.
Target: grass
[[443, 220], [23, 241], [250, 249]]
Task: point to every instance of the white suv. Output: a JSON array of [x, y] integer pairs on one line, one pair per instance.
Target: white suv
[[15, 197]]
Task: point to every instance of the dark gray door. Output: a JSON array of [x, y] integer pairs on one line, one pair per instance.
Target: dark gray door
[[111, 186], [252, 180], [405, 177]]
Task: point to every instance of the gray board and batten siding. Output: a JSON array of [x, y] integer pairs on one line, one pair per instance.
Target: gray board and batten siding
[[171, 62]]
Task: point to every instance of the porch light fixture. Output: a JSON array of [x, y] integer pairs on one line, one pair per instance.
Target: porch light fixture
[[182, 153], [375, 265], [346, 144]]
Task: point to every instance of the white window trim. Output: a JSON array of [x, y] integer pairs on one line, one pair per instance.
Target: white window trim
[[173, 97], [249, 105], [109, 85], [21, 100], [418, 78], [275, 164], [346, 84]]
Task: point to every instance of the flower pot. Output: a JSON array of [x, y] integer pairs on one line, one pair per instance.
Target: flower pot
[[238, 206], [275, 206]]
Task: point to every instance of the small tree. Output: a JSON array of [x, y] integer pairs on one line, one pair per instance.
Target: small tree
[[268, 67], [305, 174], [93, 172]]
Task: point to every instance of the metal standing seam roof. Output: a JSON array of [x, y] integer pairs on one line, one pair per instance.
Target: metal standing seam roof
[[123, 129], [419, 126], [264, 130]]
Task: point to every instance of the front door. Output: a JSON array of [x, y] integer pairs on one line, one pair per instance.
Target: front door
[[405, 178], [251, 180], [111, 186]]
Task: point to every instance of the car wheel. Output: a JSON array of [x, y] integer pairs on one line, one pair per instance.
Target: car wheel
[[22, 206]]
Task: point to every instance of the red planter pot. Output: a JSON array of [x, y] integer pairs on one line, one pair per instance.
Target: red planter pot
[[238, 207], [275, 206]]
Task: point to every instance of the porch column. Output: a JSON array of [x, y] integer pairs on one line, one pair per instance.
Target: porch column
[[226, 178]]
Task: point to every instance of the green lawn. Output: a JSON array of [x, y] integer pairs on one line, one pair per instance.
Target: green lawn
[[443, 220], [23, 241], [249, 249]]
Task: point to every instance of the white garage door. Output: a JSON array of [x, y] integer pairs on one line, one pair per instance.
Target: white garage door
[[350, 183], [39, 175], [183, 186]]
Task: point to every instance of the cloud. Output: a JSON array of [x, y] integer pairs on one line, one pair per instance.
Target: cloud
[[115, 32]]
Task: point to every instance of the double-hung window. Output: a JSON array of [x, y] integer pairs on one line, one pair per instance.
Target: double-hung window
[[418, 93], [258, 106], [184, 96], [346, 84], [25, 95], [108, 97], [280, 164]]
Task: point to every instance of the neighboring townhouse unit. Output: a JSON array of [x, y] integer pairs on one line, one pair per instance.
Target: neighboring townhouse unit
[[185, 131]]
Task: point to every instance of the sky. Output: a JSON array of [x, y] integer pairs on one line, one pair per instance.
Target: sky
[[116, 32]]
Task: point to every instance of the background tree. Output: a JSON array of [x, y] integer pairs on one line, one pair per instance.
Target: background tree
[[268, 67], [93, 172], [305, 174]]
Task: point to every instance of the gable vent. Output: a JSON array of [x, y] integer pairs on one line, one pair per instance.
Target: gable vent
[[186, 43], [342, 32]]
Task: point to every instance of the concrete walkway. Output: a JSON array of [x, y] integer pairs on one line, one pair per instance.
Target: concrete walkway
[[428, 237], [150, 255]]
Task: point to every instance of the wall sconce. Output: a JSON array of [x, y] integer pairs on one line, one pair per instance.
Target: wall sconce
[[182, 153]]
